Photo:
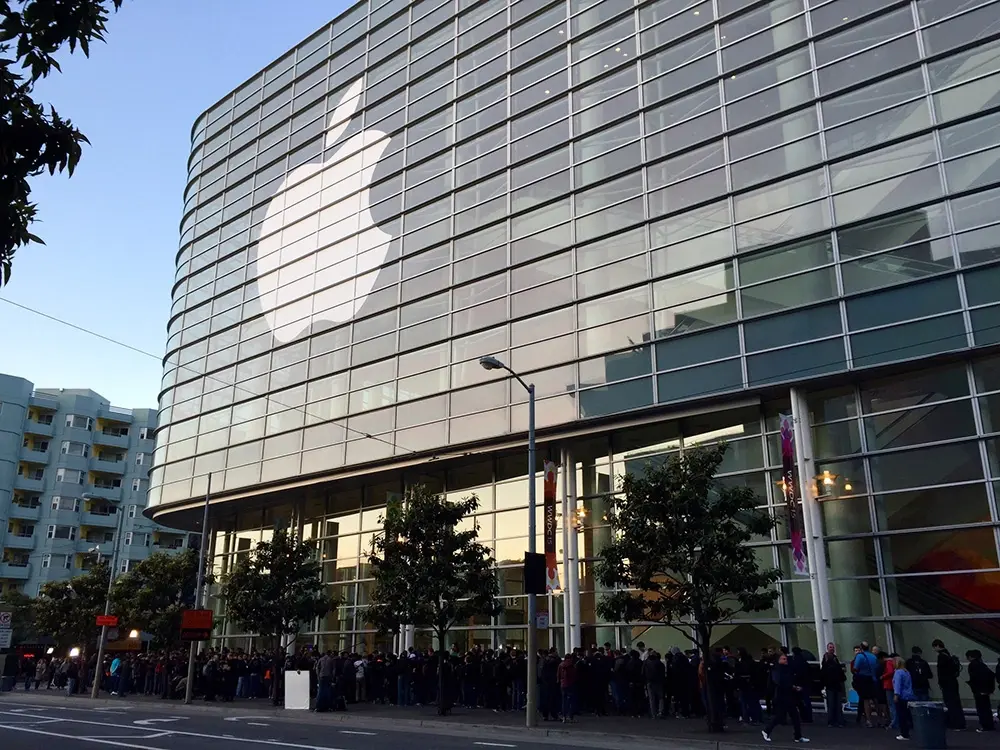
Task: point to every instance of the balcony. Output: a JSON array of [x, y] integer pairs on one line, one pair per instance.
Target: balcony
[[28, 485], [32, 456], [100, 520], [26, 512], [110, 439], [108, 467], [15, 541], [115, 414], [108, 493], [38, 428], [16, 571]]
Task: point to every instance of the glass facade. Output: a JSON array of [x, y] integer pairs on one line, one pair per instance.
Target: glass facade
[[643, 208]]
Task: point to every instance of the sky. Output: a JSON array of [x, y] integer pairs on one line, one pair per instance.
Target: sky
[[111, 230]]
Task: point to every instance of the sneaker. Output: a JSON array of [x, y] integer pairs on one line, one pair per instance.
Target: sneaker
[[765, 735], [802, 739], [902, 738]]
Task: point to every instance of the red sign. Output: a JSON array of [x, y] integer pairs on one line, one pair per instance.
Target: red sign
[[107, 621], [196, 624], [549, 516]]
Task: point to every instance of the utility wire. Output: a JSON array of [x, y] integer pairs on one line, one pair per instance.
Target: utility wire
[[196, 372], [712, 391]]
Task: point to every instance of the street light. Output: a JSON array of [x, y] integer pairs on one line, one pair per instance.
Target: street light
[[95, 690], [531, 711]]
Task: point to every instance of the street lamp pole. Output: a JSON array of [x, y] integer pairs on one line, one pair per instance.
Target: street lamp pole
[[199, 584], [95, 690], [531, 709]]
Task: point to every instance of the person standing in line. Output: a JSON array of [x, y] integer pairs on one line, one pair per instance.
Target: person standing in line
[[833, 678], [948, 669], [566, 674], [864, 667], [902, 694], [655, 674], [920, 673], [888, 668], [982, 683], [785, 701]]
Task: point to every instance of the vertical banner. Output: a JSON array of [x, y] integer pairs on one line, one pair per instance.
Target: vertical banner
[[549, 498], [788, 484]]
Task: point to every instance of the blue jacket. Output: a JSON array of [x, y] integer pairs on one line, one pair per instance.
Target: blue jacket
[[865, 664], [902, 685]]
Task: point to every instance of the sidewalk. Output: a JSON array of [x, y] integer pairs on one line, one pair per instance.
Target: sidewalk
[[676, 734]]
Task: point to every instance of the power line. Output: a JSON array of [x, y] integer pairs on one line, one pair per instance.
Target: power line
[[238, 387], [709, 392]]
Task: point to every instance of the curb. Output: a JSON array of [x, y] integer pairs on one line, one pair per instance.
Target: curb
[[581, 737]]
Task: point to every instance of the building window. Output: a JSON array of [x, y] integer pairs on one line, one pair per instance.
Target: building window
[[128, 538], [32, 473], [68, 562], [145, 540], [46, 560], [78, 422], [61, 532], [70, 476], [139, 458], [144, 433], [71, 448], [138, 485], [65, 503], [132, 510], [123, 568]]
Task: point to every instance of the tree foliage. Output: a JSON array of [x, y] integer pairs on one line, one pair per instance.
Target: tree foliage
[[153, 595], [427, 572], [22, 611], [34, 139], [679, 554], [276, 588], [67, 610]]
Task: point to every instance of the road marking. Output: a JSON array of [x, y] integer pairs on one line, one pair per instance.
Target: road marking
[[349, 731], [494, 744], [257, 724], [57, 707], [247, 719], [113, 743], [129, 736], [182, 733], [150, 722]]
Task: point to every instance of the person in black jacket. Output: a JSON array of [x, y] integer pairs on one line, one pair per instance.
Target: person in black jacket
[[833, 675], [948, 670], [920, 674], [800, 675], [746, 682], [785, 700], [983, 684], [655, 675]]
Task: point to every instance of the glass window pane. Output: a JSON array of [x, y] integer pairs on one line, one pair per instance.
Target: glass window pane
[[943, 464]]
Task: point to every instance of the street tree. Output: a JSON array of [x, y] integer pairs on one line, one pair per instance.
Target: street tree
[[22, 612], [67, 610], [429, 573], [35, 139], [153, 595], [275, 589], [678, 555]]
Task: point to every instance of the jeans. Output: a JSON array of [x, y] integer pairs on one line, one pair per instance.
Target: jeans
[[655, 694], [70, 685], [518, 694], [901, 710], [241, 686], [568, 702], [890, 699], [750, 706], [835, 706]]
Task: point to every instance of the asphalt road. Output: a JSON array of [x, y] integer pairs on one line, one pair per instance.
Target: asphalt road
[[27, 727]]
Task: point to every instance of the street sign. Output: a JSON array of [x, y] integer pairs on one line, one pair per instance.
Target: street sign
[[196, 624], [5, 637], [5, 620], [107, 621], [542, 620]]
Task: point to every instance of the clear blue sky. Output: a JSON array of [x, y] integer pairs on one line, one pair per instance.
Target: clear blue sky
[[111, 230]]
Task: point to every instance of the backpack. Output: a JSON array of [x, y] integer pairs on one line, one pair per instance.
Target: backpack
[[957, 664], [921, 673]]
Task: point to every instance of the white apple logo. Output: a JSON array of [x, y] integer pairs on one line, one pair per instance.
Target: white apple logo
[[338, 246]]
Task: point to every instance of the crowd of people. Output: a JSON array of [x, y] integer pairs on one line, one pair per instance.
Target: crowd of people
[[777, 686]]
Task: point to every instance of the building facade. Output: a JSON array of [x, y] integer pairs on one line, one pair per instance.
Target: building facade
[[680, 220], [69, 463]]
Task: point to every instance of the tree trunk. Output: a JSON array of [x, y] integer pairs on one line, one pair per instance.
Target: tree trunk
[[713, 711], [444, 699]]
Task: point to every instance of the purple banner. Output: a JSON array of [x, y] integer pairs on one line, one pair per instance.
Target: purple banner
[[790, 489]]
